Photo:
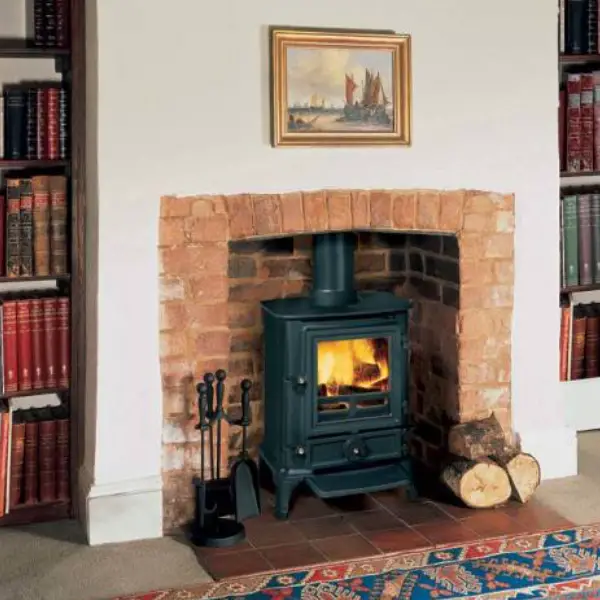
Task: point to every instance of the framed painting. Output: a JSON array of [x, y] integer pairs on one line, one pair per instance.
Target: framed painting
[[339, 87]]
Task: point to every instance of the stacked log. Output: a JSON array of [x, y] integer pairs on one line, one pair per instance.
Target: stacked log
[[484, 469]]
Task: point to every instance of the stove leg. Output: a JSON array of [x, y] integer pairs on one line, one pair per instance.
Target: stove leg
[[286, 484]]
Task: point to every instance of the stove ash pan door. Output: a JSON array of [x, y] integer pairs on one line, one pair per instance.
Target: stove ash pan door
[[356, 375]]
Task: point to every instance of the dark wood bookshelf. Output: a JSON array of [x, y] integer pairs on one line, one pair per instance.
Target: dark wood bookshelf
[[580, 288], [26, 393], [574, 59], [567, 175], [61, 278], [33, 164], [20, 48], [36, 513]]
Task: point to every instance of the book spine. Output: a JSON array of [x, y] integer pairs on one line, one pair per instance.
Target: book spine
[[576, 33], [596, 75], [565, 326], [561, 27], [26, 228], [50, 23], [50, 342], [592, 337], [42, 123], [63, 24], [58, 224], [578, 345], [25, 358], [63, 334], [14, 106], [41, 224], [596, 236], [37, 344], [2, 128], [2, 232], [39, 38], [574, 122], [52, 122], [592, 22], [4, 452], [47, 459], [587, 122], [31, 123], [17, 458], [13, 227], [585, 250], [562, 115], [63, 123], [62, 459], [9, 341], [31, 462]]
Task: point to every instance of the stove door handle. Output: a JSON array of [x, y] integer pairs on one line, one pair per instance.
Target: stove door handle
[[300, 382], [355, 449]]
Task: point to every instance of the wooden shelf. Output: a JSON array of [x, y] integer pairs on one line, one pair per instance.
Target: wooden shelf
[[26, 393], [574, 59], [35, 513], [19, 48], [35, 278], [32, 164], [565, 175], [580, 288]]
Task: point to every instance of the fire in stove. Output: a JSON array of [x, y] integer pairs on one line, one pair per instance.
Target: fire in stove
[[354, 366]]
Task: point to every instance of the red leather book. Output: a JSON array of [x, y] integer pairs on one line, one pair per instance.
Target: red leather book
[[592, 337], [17, 459], [39, 34], [63, 334], [25, 358], [42, 123], [573, 124], [58, 224], [47, 457], [38, 349], [50, 342], [10, 346], [578, 343], [52, 128], [31, 459], [562, 115], [587, 122], [4, 437], [41, 224], [63, 26], [2, 231], [61, 415]]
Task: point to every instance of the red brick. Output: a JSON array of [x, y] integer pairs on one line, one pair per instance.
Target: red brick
[[315, 211], [428, 211], [292, 212], [208, 290], [242, 315], [404, 210], [171, 232], [451, 211], [361, 210], [171, 206], [173, 315], [499, 245], [211, 343], [215, 315], [171, 288], [267, 214], [207, 229], [172, 344], [202, 206], [504, 271], [381, 209], [256, 291], [175, 372], [175, 401], [239, 209], [184, 261], [476, 272], [340, 213]]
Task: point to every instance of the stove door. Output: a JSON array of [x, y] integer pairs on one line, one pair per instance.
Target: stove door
[[356, 374]]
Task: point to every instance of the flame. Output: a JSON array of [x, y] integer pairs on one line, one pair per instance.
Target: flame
[[352, 366]]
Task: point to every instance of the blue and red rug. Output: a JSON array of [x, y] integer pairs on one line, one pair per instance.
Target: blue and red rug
[[560, 564]]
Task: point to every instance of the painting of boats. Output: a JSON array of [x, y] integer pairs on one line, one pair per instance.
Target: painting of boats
[[335, 88]]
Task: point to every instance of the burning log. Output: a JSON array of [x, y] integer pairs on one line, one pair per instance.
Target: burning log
[[478, 483], [477, 439], [523, 472]]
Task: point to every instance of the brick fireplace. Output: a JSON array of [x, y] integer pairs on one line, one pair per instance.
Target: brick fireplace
[[451, 252]]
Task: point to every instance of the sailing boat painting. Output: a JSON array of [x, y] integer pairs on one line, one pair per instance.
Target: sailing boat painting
[[336, 88]]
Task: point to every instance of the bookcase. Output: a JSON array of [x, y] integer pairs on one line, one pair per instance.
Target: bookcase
[[579, 145], [42, 261]]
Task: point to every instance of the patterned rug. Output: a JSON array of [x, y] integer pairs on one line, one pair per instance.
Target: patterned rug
[[563, 564]]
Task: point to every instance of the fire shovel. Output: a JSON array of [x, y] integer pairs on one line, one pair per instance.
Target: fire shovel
[[244, 472]]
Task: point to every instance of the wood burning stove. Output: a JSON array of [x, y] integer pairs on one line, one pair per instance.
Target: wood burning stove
[[336, 383]]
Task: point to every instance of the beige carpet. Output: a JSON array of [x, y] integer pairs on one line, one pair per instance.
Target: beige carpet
[[52, 562]]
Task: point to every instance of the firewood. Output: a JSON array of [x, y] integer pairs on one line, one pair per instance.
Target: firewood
[[523, 472], [478, 483], [477, 439]]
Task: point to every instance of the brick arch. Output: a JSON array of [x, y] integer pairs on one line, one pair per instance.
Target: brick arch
[[194, 236]]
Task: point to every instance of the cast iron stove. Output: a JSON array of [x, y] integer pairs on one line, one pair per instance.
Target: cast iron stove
[[336, 383]]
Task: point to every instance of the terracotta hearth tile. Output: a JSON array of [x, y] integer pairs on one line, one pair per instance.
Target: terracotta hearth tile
[[397, 540], [361, 210], [404, 210], [447, 532], [417, 513], [339, 209], [241, 216], [207, 229], [264, 534], [315, 211], [172, 206], [494, 523], [451, 211], [324, 527], [207, 289], [267, 214], [428, 211], [374, 521], [211, 343], [292, 212], [381, 209], [223, 566], [293, 555], [346, 547], [309, 507]]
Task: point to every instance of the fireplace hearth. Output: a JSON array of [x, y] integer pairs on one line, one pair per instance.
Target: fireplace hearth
[[336, 374]]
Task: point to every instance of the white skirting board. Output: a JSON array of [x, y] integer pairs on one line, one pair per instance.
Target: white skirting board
[[581, 401]]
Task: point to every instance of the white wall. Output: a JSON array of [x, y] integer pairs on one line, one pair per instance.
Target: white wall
[[183, 108]]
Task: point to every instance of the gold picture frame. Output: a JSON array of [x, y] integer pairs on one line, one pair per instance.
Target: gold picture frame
[[340, 87]]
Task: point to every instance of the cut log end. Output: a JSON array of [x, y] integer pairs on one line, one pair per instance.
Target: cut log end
[[524, 474], [481, 484]]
